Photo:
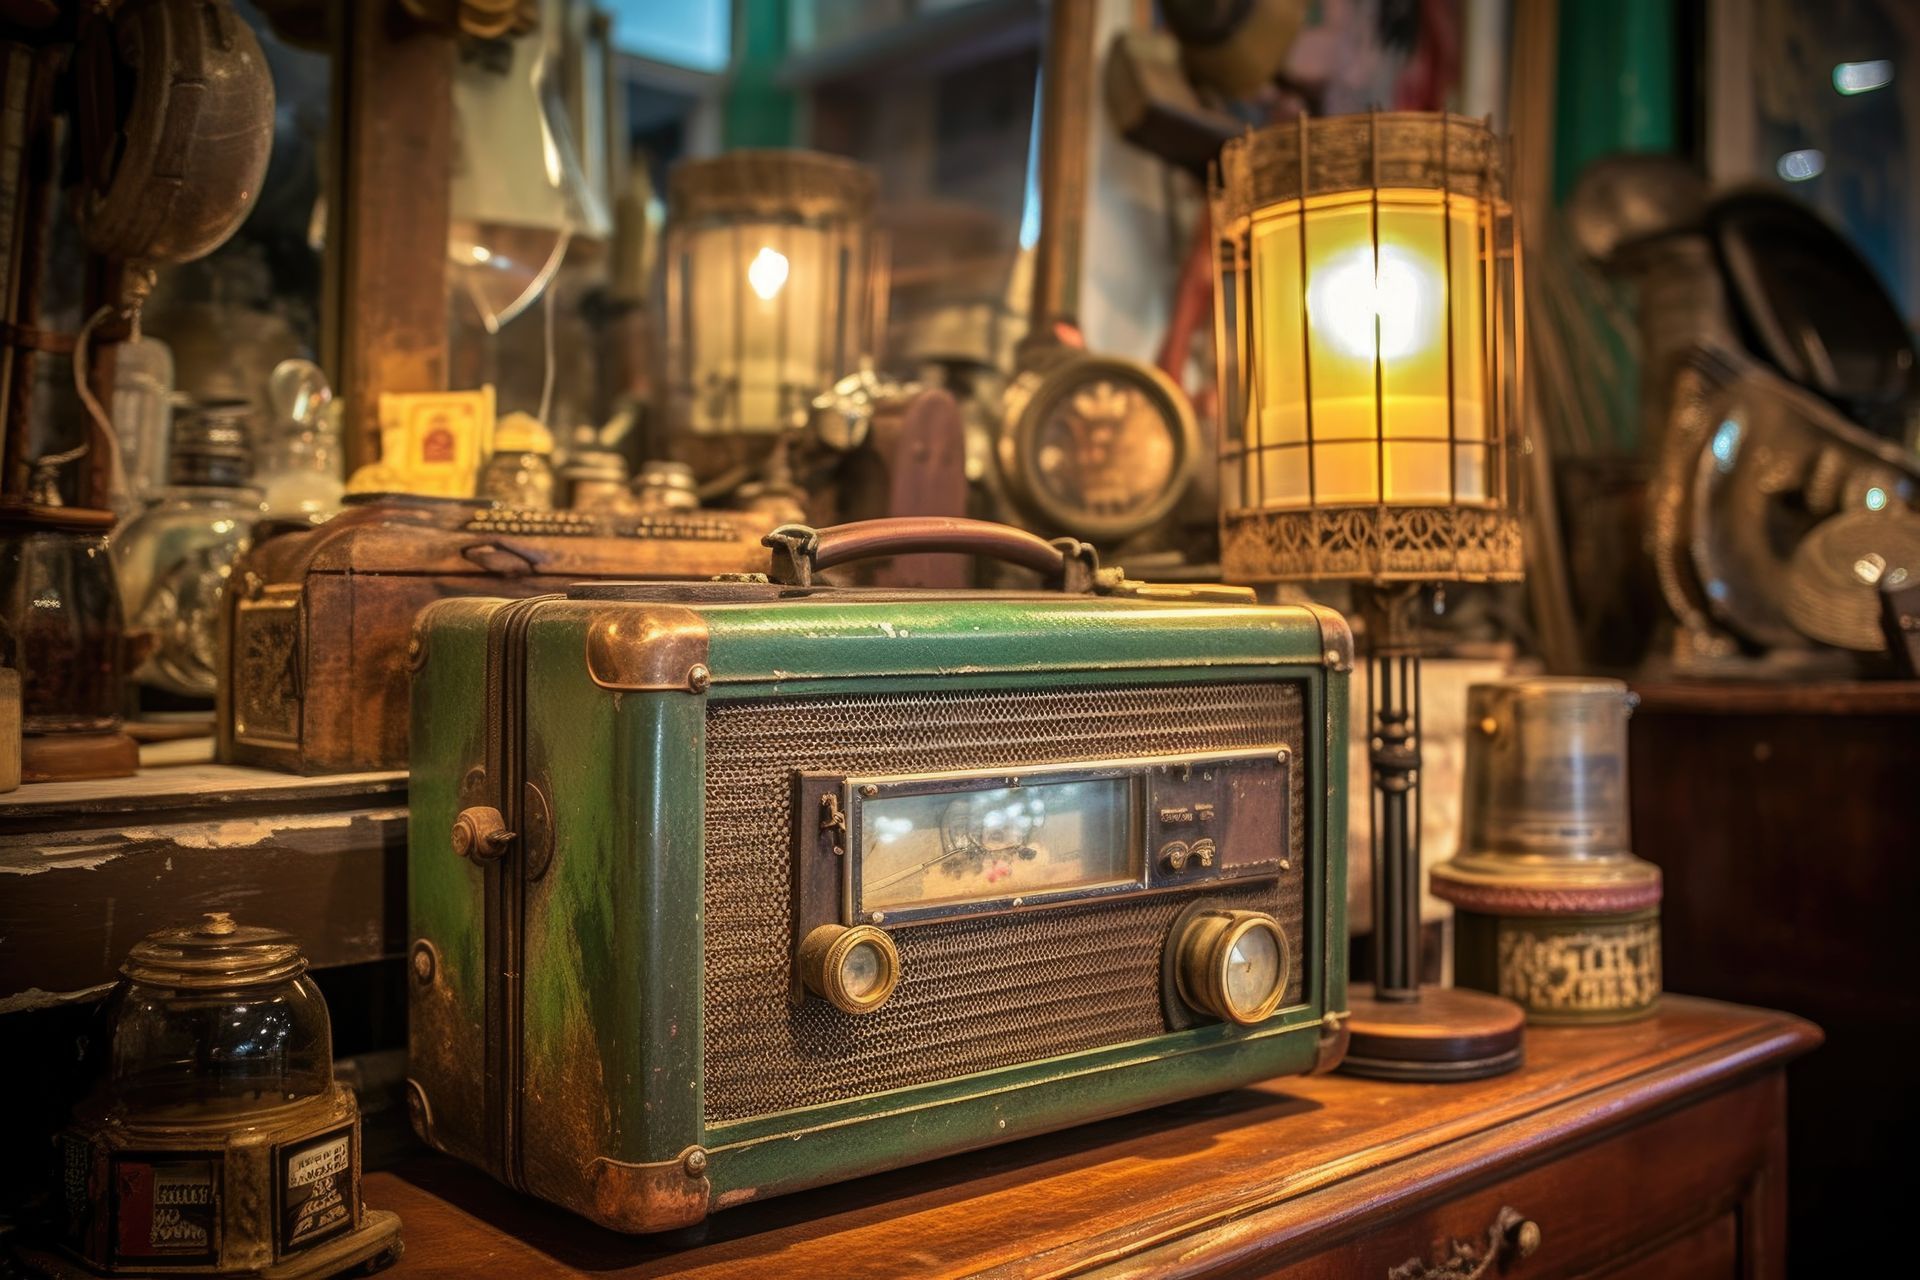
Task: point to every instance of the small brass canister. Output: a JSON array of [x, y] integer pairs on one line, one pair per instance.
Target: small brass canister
[[1551, 907]]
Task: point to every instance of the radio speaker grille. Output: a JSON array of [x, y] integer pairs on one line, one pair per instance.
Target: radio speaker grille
[[974, 994]]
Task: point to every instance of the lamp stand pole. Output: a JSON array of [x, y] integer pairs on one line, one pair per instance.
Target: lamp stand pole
[[1399, 1030]]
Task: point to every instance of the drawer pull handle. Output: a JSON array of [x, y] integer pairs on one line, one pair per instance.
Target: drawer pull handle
[[1511, 1236]]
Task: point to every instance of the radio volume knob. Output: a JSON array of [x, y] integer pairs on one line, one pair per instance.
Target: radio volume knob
[[1233, 964]]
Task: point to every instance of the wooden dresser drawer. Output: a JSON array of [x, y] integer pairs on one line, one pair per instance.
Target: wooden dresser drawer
[[1680, 1194]]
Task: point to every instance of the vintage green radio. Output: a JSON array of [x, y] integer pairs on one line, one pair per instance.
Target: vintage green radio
[[723, 890]]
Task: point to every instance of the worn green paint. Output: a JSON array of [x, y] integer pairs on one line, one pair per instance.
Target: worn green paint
[[443, 891], [614, 932], [629, 893]]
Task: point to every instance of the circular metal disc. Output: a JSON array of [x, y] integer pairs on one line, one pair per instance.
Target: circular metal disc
[[1834, 578]]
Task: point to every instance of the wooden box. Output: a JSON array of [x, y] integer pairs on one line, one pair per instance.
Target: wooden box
[[316, 622]]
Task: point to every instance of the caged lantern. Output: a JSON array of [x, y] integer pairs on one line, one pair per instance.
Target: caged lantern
[[773, 290], [1369, 349], [1368, 332]]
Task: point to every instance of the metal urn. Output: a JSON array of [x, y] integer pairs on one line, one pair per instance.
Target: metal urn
[[1552, 909]]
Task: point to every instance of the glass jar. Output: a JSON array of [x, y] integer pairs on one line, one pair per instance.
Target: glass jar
[[666, 486], [216, 1141], [175, 557], [60, 620], [594, 478], [212, 1020], [520, 472]]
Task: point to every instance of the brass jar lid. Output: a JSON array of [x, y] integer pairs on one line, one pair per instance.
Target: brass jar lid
[[215, 954]]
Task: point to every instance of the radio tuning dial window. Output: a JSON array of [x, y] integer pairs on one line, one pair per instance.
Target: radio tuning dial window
[[902, 849]]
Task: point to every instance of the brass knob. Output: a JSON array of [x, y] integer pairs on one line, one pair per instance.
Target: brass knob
[[1525, 1238], [480, 833], [854, 969], [1233, 965]]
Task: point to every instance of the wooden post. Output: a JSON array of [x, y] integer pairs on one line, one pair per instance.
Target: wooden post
[[1066, 90], [384, 304]]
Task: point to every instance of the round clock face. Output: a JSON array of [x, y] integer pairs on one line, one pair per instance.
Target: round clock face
[[1104, 449], [1107, 450]]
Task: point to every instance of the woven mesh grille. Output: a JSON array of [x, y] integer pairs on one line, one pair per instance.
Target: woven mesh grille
[[974, 994]]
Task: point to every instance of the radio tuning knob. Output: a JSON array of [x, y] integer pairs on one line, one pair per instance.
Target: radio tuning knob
[[853, 969], [1233, 965]]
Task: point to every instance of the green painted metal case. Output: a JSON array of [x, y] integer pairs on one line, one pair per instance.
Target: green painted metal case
[[603, 1008]]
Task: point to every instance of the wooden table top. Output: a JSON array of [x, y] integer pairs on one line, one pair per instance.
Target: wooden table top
[[1164, 1190]]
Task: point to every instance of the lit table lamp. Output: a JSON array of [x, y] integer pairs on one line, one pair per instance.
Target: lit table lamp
[[772, 293], [1367, 310]]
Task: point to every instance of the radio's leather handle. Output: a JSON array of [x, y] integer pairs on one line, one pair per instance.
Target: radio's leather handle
[[800, 552]]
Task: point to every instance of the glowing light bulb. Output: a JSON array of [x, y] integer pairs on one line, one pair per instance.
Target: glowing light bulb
[[1347, 297], [767, 273]]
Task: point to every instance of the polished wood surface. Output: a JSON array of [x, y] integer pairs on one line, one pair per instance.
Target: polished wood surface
[[1782, 820], [1653, 1148]]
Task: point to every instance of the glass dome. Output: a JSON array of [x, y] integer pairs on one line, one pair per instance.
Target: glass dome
[[215, 1019]]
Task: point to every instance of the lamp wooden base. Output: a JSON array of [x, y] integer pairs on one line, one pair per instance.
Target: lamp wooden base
[[1446, 1034], [70, 757]]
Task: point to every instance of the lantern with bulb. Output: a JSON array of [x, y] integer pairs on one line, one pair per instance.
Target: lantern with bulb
[[1366, 281], [771, 287]]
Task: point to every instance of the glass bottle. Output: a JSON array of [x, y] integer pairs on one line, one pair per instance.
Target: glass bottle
[[299, 473], [175, 557], [60, 622]]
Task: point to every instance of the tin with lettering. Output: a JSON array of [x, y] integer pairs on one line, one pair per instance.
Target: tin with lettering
[[1552, 909], [218, 1142]]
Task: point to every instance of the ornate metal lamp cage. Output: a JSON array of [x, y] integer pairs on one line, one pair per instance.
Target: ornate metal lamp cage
[[1366, 271], [775, 286]]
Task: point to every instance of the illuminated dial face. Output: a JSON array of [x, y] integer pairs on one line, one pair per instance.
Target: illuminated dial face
[[930, 849], [1253, 969], [1107, 451]]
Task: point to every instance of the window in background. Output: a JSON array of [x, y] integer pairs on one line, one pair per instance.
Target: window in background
[[1822, 98], [697, 34]]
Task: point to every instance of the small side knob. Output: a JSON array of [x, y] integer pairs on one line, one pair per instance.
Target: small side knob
[[480, 833]]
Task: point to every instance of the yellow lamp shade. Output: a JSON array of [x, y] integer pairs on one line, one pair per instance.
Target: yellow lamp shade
[[1364, 276]]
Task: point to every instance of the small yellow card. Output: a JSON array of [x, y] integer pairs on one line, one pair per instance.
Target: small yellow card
[[437, 441]]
